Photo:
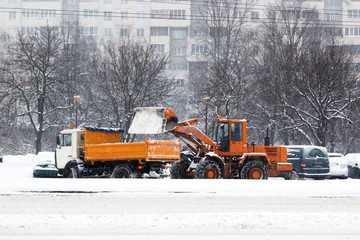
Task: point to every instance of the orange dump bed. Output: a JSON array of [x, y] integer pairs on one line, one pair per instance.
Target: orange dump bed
[[103, 146]]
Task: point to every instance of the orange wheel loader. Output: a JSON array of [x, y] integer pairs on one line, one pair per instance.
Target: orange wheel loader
[[226, 154]]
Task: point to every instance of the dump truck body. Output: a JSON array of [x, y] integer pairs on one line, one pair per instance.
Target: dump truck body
[[99, 152]]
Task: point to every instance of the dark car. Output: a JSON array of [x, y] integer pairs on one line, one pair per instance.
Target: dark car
[[308, 162]]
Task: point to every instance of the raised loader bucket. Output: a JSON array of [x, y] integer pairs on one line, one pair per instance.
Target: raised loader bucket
[[153, 120]]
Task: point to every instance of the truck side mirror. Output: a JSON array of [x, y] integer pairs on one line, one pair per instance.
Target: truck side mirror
[[58, 140]]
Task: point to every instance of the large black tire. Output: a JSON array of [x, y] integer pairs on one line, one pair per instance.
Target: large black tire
[[254, 170], [72, 172], [208, 169], [122, 171], [178, 170]]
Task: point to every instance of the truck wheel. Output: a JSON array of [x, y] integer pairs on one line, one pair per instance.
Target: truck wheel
[[72, 172], [178, 170], [121, 171], [254, 170], [208, 170]]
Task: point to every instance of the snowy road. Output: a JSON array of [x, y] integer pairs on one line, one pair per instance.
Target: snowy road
[[174, 209]]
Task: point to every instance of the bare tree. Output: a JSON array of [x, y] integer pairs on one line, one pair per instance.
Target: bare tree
[[29, 71], [128, 75], [228, 51], [309, 80]]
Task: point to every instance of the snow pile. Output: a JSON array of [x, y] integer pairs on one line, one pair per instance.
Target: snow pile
[[17, 166], [147, 121]]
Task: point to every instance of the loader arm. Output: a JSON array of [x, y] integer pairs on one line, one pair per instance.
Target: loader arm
[[156, 120], [201, 144]]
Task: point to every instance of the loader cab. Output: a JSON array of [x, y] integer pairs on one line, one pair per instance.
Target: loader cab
[[230, 135]]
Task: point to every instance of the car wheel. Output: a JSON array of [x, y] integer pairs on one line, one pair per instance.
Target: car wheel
[[293, 176]]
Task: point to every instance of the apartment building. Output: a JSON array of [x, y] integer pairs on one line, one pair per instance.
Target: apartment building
[[171, 26]]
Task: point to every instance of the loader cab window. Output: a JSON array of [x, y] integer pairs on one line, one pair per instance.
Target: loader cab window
[[223, 137], [65, 140], [236, 132], [214, 133]]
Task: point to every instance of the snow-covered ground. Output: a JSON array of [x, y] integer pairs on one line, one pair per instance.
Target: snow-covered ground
[[173, 209]]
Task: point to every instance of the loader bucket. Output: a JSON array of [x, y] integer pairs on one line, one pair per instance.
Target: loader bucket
[[153, 120]]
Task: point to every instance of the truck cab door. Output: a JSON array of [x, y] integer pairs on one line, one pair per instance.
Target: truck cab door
[[63, 150]]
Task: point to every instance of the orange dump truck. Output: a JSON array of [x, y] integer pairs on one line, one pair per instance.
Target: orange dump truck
[[99, 152]]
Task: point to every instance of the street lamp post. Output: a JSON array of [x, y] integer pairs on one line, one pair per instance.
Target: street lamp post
[[207, 102], [76, 101]]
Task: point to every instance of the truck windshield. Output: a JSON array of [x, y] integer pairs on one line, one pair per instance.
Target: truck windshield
[[65, 140]]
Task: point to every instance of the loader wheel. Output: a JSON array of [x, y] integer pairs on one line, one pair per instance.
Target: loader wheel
[[254, 170], [208, 170], [178, 170], [121, 171]]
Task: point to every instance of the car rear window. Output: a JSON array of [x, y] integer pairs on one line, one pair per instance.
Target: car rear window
[[316, 153]]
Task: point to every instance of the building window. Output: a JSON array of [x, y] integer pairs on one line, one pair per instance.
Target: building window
[[255, 34], [158, 48], [140, 32], [179, 34], [177, 14], [140, 15], [124, 32], [199, 32], [29, 30], [124, 1], [310, 14], [30, 13], [73, 17], [90, 13], [107, 1], [330, 17], [198, 17], [271, 15], [72, 2], [107, 32], [255, 15], [179, 51], [89, 31], [12, 15], [48, 14], [159, 14], [178, 67], [123, 15], [179, 82], [198, 49], [108, 16], [353, 13], [159, 31], [352, 31]]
